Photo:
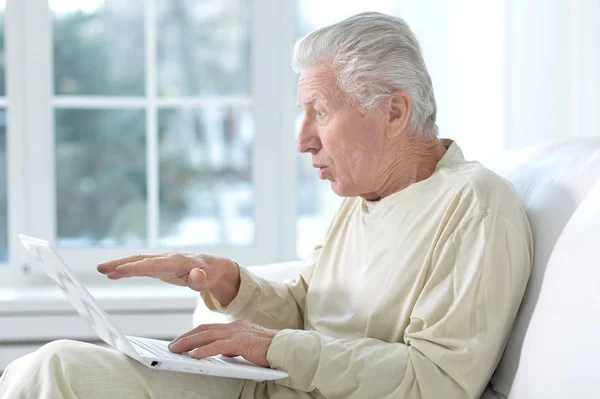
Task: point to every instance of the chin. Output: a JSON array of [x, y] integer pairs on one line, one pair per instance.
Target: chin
[[342, 191], [334, 188]]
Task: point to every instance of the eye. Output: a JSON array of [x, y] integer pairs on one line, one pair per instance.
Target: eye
[[319, 114]]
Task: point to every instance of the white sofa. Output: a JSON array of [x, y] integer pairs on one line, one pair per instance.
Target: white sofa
[[555, 343]]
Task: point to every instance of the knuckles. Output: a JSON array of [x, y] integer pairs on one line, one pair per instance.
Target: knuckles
[[178, 257]]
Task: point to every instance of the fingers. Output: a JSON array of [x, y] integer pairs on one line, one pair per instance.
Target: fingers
[[200, 339], [230, 346], [203, 327], [238, 338], [153, 266], [109, 267]]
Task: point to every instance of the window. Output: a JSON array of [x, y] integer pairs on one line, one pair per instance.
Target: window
[[193, 106], [188, 95], [98, 59], [151, 128]]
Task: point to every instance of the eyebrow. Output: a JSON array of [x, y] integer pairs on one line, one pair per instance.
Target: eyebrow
[[313, 99]]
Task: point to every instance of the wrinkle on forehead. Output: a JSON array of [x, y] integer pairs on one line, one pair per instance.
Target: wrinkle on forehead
[[315, 97], [318, 83]]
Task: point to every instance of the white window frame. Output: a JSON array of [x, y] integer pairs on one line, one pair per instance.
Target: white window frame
[[32, 195], [14, 20]]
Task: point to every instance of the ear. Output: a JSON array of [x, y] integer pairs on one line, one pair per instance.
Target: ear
[[398, 113]]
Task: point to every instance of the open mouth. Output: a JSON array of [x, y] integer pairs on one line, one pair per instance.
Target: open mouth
[[322, 171]]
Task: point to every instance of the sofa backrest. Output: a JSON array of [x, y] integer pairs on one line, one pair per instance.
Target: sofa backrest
[[552, 180], [562, 346]]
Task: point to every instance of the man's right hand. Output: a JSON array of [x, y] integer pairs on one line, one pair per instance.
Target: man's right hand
[[217, 275]]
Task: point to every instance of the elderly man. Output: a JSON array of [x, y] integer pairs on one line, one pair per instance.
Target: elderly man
[[412, 293]]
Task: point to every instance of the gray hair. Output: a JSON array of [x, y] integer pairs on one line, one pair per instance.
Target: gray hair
[[374, 55]]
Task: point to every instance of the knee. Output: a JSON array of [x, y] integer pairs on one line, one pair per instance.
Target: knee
[[48, 363], [60, 347], [62, 351]]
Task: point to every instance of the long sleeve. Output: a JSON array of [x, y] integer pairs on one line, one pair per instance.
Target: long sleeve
[[268, 303], [457, 330]]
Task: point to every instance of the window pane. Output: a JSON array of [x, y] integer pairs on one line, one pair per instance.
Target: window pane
[[206, 193], [3, 190], [203, 47], [101, 177], [98, 47]]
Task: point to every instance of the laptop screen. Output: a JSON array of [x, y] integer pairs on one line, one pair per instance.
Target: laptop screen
[[77, 294]]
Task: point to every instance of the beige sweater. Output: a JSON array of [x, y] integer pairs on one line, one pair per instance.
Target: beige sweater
[[409, 297]]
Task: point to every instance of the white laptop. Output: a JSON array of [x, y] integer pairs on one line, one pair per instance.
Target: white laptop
[[152, 353]]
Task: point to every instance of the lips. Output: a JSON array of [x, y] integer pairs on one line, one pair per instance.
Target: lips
[[322, 171]]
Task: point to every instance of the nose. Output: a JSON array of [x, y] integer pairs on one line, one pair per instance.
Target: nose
[[308, 138]]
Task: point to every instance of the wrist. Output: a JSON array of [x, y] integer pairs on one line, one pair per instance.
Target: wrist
[[229, 285]]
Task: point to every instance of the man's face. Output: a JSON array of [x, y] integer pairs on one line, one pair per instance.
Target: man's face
[[346, 145]]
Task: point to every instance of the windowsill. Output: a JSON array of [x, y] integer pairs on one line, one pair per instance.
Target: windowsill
[[118, 296]]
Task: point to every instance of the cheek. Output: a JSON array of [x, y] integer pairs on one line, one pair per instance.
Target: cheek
[[362, 153], [340, 152], [353, 149], [354, 165], [363, 166]]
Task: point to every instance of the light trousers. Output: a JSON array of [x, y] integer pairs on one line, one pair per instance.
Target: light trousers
[[68, 369]]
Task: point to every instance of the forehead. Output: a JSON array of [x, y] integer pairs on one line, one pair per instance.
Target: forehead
[[317, 82]]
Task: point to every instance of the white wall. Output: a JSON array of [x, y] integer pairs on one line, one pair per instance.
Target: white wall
[[463, 43], [586, 44], [554, 70]]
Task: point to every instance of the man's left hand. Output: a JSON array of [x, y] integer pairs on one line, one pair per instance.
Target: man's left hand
[[240, 338]]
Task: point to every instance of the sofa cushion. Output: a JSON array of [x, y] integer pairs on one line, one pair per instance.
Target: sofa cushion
[[551, 180], [561, 345]]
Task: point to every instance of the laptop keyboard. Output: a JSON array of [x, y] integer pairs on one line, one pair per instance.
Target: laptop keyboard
[[160, 349]]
